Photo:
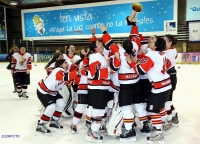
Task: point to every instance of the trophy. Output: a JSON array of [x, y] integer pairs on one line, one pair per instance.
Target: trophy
[[137, 7]]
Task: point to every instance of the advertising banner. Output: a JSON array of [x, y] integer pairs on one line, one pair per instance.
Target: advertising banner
[[44, 57], [3, 57], [195, 57], [76, 21], [194, 31], [193, 10], [191, 57]]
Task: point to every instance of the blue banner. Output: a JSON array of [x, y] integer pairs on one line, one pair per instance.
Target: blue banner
[[157, 17], [3, 57]]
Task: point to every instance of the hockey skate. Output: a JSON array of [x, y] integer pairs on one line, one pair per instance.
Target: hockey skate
[[42, 129], [157, 138], [19, 95], [24, 95], [93, 136], [145, 129], [151, 127], [175, 121], [128, 135], [166, 128], [54, 125], [73, 128]]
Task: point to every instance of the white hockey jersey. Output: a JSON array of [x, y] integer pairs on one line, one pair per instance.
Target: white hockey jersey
[[49, 69], [114, 82], [114, 65], [114, 75], [21, 62], [73, 59], [71, 66], [55, 81], [98, 72], [154, 64], [135, 47], [140, 58], [171, 55], [127, 75], [83, 84]]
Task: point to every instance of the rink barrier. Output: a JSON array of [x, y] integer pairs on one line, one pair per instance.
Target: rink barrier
[[182, 58]]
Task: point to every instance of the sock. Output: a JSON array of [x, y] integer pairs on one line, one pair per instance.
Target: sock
[[44, 119], [19, 90], [59, 107], [163, 115], [168, 109], [173, 110], [78, 113], [24, 88], [141, 112], [128, 117], [56, 115], [156, 120], [89, 114], [96, 118]]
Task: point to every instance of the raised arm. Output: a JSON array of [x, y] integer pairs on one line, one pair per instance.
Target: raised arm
[[107, 40]]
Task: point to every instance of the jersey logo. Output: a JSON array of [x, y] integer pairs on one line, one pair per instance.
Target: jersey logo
[[22, 61], [133, 39], [143, 60]]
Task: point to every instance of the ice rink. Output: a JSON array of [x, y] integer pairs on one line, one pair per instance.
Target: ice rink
[[19, 116]]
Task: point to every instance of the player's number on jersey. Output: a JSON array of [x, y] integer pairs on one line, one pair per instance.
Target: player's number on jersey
[[164, 67]]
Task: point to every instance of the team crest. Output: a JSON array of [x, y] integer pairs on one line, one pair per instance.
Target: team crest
[[143, 60], [133, 39], [21, 63]]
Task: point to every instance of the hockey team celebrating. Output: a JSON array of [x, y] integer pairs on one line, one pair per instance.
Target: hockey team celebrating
[[114, 83]]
